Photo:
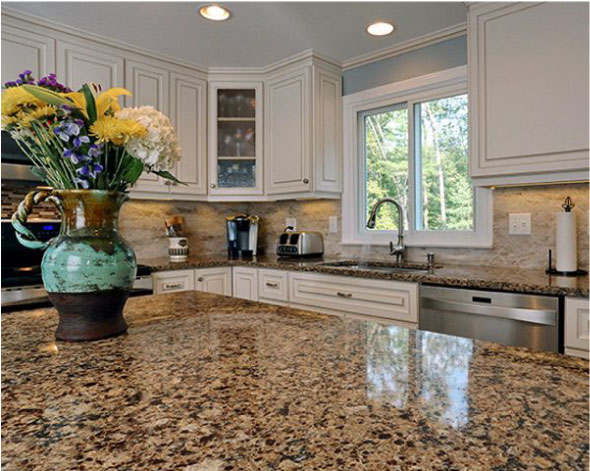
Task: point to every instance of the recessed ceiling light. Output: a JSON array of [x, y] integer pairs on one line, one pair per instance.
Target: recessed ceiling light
[[380, 28], [214, 12]]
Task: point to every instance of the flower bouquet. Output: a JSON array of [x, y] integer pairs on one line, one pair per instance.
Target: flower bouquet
[[89, 150]]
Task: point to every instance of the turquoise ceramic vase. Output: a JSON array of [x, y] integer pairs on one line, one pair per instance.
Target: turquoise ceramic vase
[[88, 269]]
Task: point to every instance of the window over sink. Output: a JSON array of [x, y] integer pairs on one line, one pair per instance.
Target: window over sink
[[409, 141]]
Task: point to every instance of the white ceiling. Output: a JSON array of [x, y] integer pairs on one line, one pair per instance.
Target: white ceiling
[[258, 33]]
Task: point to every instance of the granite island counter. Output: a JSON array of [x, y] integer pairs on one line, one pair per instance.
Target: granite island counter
[[210, 383]]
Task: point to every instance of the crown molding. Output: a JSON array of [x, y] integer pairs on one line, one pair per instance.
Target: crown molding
[[406, 46]]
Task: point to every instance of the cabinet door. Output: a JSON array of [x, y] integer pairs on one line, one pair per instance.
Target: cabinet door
[[214, 280], [245, 283], [577, 326], [287, 132], [327, 129], [173, 281], [528, 88], [188, 115], [78, 64], [149, 85], [235, 138], [22, 50]]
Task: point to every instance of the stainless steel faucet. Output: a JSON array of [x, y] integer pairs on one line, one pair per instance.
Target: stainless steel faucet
[[399, 249]]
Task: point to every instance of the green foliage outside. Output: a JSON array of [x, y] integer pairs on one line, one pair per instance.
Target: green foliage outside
[[447, 194]]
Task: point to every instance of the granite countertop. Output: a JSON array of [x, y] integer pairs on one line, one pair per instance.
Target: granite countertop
[[512, 279], [209, 383]]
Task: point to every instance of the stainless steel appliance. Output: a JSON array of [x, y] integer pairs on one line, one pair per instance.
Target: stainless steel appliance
[[523, 320], [22, 285], [15, 164], [242, 236], [300, 244]]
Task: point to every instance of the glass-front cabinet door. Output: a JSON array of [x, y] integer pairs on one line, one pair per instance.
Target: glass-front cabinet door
[[235, 138]]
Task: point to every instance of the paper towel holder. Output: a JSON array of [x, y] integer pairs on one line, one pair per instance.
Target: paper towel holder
[[552, 271]]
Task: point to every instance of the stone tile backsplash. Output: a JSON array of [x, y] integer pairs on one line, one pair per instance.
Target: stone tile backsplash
[[142, 224]]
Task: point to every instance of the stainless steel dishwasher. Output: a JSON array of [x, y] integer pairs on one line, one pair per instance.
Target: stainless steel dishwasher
[[524, 320]]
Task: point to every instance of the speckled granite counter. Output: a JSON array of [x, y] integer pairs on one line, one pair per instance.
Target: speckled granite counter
[[208, 383], [467, 276]]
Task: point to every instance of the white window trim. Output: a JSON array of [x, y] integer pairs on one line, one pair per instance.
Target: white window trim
[[354, 232]]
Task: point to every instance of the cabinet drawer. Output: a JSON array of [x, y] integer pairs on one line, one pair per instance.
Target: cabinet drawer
[[174, 281], [577, 323], [273, 285], [376, 298]]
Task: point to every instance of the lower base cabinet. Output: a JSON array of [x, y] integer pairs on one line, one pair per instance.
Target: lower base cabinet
[[214, 280], [245, 283], [396, 302], [577, 327]]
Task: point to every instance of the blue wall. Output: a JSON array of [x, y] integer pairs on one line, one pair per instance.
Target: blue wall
[[441, 56]]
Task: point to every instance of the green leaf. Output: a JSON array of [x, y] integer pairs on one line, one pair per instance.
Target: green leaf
[[133, 170], [168, 176], [48, 96], [39, 173], [90, 103]]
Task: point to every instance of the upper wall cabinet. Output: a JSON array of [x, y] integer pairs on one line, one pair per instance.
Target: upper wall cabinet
[[235, 141], [528, 88], [22, 50], [189, 118], [78, 64], [302, 131]]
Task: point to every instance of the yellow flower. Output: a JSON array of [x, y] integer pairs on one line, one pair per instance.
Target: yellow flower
[[104, 102], [8, 120], [116, 130], [14, 98], [38, 114]]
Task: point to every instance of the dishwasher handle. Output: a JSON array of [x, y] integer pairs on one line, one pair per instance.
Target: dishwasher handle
[[531, 316]]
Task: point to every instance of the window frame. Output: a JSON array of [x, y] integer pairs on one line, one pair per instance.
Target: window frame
[[442, 84]]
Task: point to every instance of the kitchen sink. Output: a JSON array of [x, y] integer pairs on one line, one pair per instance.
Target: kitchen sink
[[377, 266]]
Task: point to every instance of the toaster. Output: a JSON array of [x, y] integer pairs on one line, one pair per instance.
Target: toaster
[[300, 244]]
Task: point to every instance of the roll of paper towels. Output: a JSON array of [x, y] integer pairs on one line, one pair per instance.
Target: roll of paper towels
[[566, 242]]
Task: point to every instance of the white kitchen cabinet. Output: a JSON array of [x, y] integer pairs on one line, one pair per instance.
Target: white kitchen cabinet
[[24, 49], [303, 131], [214, 280], [188, 113], [149, 84], [79, 63], [528, 90], [392, 300], [173, 281], [577, 327], [273, 286], [245, 283], [235, 138]]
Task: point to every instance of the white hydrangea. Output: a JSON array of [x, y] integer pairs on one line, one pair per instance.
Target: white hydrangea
[[159, 148]]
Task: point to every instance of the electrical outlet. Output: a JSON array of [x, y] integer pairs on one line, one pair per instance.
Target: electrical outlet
[[291, 222], [519, 223], [333, 224]]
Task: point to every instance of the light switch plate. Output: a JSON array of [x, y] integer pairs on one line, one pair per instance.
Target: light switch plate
[[519, 223], [333, 224], [291, 222]]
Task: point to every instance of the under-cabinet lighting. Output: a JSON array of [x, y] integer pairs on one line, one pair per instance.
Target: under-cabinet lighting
[[380, 28], [214, 12]]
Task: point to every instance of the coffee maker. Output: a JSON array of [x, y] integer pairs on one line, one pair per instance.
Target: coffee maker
[[242, 235]]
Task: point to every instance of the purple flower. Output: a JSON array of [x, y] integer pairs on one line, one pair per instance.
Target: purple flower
[[90, 170], [95, 150], [82, 182], [75, 156], [79, 140]]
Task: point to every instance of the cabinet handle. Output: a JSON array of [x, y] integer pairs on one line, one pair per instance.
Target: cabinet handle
[[344, 295], [305, 180], [168, 286], [213, 185], [272, 285], [199, 279], [167, 182]]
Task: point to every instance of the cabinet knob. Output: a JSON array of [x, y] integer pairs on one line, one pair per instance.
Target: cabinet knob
[[305, 180], [213, 185], [200, 279]]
